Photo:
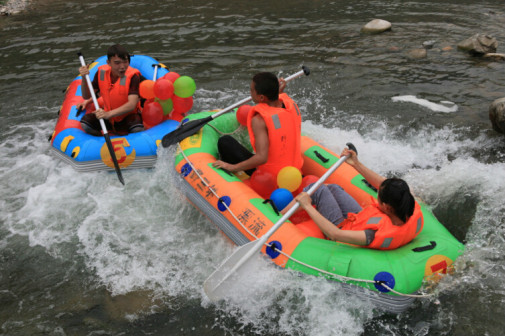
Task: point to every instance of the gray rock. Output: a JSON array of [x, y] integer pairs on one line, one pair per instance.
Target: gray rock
[[479, 44], [429, 44], [376, 26], [497, 115], [13, 7]]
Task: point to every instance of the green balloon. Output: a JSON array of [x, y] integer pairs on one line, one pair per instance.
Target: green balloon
[[166, 104], [184, 87]]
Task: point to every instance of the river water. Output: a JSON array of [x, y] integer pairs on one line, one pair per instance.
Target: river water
[[82, 255]]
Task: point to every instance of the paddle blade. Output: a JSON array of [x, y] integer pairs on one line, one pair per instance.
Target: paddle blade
[[183, 131], [113, 157], [218, 284]]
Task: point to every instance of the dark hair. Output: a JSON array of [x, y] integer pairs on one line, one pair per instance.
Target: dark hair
[[267, 84], [396, 193], [119, 51]]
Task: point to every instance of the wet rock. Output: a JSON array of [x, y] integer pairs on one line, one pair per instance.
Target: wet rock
[[479, 44], [428, 44], [497, 115], [495, 56], [376, 26], [417, 53], [13, 7]]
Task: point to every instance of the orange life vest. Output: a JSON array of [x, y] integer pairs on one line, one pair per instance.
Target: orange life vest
[[115, 95], [387, 235], [284, 134]]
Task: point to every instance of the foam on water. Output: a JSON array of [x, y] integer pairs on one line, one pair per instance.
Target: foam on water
[[428, 104], [146, 236]]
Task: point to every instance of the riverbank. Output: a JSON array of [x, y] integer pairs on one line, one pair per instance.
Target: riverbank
[[12, 7]]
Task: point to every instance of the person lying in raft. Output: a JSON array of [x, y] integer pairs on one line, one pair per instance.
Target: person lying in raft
[[392, 222], [118, 85], [274, 126]]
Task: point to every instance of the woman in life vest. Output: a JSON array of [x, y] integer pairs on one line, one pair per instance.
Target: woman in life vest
[[393, 221], [118, 85]]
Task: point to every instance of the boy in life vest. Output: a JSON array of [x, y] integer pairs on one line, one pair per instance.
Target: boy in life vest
[[392, 222], [118, 85], [274, 127]]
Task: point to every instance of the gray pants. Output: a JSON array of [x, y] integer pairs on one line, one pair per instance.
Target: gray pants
[[333, 202]]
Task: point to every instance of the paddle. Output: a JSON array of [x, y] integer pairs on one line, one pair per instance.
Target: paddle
[[102, 124], [218, 283], [191, 127]]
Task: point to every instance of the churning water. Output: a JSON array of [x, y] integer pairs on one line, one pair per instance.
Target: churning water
[[82, 255]]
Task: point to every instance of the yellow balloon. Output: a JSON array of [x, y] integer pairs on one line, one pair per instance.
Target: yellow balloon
[[289, 178]]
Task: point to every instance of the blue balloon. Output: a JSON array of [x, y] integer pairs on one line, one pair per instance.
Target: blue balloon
[[281, 197]]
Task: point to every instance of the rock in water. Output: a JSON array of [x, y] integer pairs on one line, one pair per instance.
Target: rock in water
[[479, 44], [376, 26], [497, 115]]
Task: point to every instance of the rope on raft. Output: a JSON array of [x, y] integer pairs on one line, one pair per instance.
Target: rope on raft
[[332, 275]]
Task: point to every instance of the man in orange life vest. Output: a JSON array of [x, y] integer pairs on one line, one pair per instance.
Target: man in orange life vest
[[392, 222], [274, 126], [118, 85]]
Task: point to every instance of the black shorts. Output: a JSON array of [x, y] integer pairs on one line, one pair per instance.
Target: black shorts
[[122, 127], [232, 151]]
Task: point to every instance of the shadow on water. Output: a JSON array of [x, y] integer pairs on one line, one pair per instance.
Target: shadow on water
[[457, 214]]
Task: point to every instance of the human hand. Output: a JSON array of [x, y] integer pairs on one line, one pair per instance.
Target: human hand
[[83, 71], [224, 165], [282, 85], [83, 104], [101, 114], [352, 157], [304, 199]]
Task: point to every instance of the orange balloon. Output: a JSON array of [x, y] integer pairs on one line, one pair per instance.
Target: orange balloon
[[146, 89]]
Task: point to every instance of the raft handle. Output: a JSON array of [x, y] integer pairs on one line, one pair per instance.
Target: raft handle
[[432, 245], [320, 157], [268, 200], [369, 185]]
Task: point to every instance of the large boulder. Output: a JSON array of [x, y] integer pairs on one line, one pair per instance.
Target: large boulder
[[376, 26], [479, 44], [497, 115]]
